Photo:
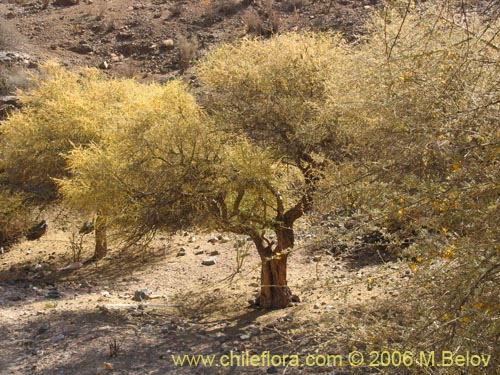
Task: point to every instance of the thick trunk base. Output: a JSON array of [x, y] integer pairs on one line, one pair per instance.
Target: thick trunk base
[[274, 293]]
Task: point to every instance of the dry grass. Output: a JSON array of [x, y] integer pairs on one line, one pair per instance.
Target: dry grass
[[187, 50], [253, 22]]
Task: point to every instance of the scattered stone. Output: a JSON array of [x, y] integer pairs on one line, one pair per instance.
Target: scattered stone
[[272, 370], [106, 294], [316, 258], [316, 306], [212, 240], [57, 338], [168, 44], [209, 261], [199, 252], [53, 293], [245, 336], [104, 65], [295, 298], [142, 294], [182, 252], [82, 48], [108, 366], [65, 3], [214, 253], [192, 239]]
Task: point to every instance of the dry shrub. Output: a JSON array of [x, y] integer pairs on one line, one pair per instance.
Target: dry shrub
[[9, 36], [294, 5], [422, 101], [253, 22], [14, 217], [211, 10], [63, 110], [187, 50]]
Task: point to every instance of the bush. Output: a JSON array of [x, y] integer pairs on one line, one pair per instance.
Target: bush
[[424, 96], [14, 217], [64, 110]]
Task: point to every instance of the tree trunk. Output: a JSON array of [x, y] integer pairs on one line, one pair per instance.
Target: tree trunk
[[101, 245], [274, 290]]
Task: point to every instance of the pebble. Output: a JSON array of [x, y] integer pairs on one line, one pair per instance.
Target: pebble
[[209, 261]]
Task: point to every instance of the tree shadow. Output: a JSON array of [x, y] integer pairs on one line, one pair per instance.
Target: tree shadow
[[78, 342]]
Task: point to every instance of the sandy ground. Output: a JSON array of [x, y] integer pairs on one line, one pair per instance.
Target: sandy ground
[[193, 309]]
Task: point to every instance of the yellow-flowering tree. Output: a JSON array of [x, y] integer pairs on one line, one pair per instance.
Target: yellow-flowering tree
[[276, 95], [63, 110], [250, 166]]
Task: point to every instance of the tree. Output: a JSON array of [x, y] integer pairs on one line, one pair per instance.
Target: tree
[[63, 110], [276, 94], [249, 165]]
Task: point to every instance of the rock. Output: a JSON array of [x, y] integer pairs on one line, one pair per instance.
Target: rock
[[224, 239], [104, 65], [53, 293], [181, 253], [142, 294], [82, 48], [316, 306], [108, 366], [316, 258], [57, 338], [168, 44], [214, 253], [192, 239], [272, 370], [295, 298], [65, 3], [212, 240], [87, 227], [72, 266], [209, 261], [199, 252], [37, 231]]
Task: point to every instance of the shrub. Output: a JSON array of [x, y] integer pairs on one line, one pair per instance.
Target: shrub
[[64, 110], [424, 95], [187, 50], [14, 217]]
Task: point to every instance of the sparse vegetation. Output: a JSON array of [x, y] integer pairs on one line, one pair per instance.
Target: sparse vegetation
[[188, 47], [14, 217], [372, 158]]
